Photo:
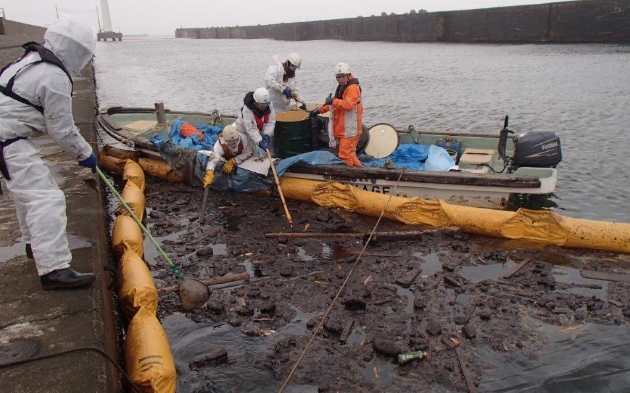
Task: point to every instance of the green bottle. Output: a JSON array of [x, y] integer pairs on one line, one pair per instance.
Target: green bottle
[[405, 358]]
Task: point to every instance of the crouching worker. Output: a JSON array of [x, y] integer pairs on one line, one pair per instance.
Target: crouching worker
[[231, 148], [36, 99]]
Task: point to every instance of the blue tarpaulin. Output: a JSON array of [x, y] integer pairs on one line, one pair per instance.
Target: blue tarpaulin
[[410, 156], [183, 155]]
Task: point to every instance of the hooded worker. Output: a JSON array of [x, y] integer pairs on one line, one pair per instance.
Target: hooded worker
[[257, 118], [346, 114], [281, 81], [232, 148], [36, 99]]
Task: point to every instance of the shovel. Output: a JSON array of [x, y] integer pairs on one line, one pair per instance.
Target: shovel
[[204, 204], [194, 293]]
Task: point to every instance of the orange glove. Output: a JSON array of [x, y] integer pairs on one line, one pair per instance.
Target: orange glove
[[228, 167]]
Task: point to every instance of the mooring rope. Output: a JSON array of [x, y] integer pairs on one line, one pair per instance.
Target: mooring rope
[[341, 288]]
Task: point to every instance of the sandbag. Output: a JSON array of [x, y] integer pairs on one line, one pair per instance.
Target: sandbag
[[111, 164], [133, 172], [159, 168], [148, 358], [135, 285], [126, 235], [134, 198]]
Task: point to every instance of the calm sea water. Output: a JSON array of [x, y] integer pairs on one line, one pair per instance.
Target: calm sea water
[[581, 92]]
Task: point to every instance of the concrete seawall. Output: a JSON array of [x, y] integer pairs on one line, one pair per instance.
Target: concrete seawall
[[588, 21], [12, 28]]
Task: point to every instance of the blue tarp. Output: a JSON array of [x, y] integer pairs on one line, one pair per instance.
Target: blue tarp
[[183, 155], [192, 142], [410, 156]]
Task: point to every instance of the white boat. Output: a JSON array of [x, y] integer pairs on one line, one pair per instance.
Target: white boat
[[490, 168]]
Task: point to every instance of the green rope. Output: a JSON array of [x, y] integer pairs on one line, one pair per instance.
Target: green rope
[[174, 267]]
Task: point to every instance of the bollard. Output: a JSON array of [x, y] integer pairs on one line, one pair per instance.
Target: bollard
[[159, 111]]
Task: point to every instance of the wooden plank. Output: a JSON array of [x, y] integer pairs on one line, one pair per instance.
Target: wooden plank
[[346, 173], [516, 269], [618, 277], [346, 331], [470, 383]]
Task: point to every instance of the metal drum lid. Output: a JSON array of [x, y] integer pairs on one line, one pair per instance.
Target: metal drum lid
[[383, 141]]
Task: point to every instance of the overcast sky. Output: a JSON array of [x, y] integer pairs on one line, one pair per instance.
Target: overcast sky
[[162, 17]]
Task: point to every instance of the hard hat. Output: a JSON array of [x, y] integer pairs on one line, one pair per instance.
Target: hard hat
[[230, 133], [261, 96], [342, 69], [295, 59]]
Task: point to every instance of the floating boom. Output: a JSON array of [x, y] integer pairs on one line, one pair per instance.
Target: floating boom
[[536, 225]]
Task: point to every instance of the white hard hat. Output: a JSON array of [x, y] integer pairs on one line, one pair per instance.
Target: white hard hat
[[230, 133], [295, 59], [72, 41], [261, 96], [342, 69]]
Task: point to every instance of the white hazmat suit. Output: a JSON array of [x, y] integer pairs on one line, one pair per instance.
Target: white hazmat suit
[[40, 204], [218, 153], [274, 82]]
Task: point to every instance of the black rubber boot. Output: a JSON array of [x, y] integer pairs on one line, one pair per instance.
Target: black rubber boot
[[66, 278], [29, 251]]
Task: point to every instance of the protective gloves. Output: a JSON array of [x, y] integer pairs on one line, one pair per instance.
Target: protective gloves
[[287, 92], [208, 179], [89, 162], [328, 100], [303, 106], [265, 142], [313, 113], [228, 167]]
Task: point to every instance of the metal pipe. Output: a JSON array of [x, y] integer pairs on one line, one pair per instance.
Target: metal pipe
[[159, 111]]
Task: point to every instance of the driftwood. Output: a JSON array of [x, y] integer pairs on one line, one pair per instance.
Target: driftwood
[[346, 331], [470, 384], [516, 269], [378, 235], [211, 281], [214, 359], [618, 277]]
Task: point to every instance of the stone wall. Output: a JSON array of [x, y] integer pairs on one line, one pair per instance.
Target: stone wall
[[9, 27], [596, 21]]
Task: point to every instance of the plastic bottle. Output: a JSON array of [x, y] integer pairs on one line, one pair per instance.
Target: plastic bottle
[[405, 358]]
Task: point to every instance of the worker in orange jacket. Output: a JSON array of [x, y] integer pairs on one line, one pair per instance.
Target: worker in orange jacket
[[346, 114]]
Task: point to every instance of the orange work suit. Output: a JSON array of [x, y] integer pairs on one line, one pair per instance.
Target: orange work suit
[[347, 119]]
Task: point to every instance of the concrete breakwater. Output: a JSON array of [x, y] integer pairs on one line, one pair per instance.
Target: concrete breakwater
[[587, 21]]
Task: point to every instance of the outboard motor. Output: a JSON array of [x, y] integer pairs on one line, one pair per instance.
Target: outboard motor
[[537, 149]]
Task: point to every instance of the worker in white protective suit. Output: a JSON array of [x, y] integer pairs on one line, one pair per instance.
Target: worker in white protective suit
[[36, 99], [281, 81], [232, 148], [257, 118]]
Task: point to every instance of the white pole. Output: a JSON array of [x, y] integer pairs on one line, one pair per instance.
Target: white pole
[[107, 20]]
